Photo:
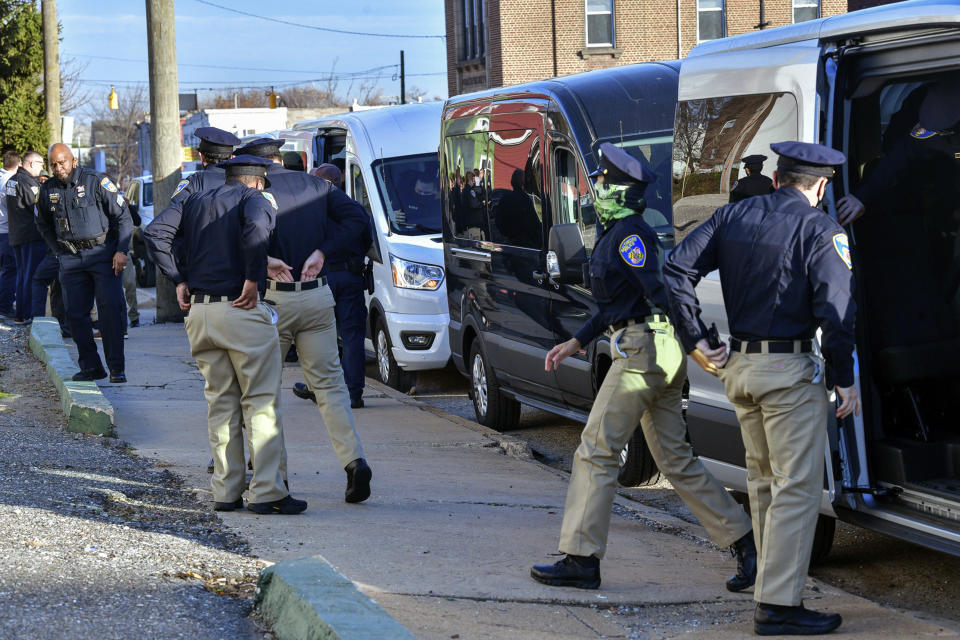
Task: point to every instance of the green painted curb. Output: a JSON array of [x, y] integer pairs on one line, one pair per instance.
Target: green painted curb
[[85, 407], [306, 599]]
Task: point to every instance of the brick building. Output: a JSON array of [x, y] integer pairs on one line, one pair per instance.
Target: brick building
[[491, 43]]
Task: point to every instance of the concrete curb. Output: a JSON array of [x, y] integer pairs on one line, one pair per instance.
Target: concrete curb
[[307, 599], [85, 407]]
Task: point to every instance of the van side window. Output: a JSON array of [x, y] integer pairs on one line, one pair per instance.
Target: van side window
[[574, 200], [467, 164], [710, 138], [516, 205], [359, 188]]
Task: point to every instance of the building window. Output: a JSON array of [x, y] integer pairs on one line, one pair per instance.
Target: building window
[[599, 23], [710, 20], [804, 10], [473, 29]]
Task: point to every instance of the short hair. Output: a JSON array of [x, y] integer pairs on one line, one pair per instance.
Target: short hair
[[30, 154], [213, 158], [10, 159], [802, 181]]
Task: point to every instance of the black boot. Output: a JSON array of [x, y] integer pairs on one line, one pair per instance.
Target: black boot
[[582, 572], [303, 391], [746, 551], [359, 475], [779, 620]]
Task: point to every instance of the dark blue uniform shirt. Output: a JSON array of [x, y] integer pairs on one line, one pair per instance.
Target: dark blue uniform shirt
[[22, 193], [225, 231], [916, 150], [749, 186], [313, 214], [209, 177], [624, 276], [785, 270]]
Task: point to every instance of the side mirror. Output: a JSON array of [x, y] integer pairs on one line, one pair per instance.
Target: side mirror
[[569, 254]]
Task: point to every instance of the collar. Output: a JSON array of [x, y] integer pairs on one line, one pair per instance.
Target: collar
[[72, 178], [794, 193], [274, 167]]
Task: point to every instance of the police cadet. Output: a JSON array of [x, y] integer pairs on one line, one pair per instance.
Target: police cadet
[[347, 276], [85, 221], [644, 382], [785, 270], [225, 233], [216, 145], [755, 184], [314, 217]]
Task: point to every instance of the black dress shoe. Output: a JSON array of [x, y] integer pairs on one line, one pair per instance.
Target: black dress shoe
[[356, 403], [778, 620], [89, 375], [118, 377], [582, 572], [303, 391], [359, 475], [134, 323], [287, 506], [228, 506], [746, 551], [292, 355]]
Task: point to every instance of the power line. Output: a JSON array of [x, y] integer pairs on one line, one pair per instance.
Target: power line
[[217, 66], [226, 84], [310, 26]]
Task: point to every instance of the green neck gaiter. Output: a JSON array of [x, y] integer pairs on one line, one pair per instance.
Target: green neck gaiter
[[615, 201]]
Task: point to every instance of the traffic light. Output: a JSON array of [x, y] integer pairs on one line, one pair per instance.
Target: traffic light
[[114, 100]]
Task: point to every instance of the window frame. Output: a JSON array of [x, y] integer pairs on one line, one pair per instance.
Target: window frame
[[806, 4], [559, 142], [723, 20], [586, 25]]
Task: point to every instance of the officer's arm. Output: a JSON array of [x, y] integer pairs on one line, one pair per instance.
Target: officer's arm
[[906, 151], [259, 217], [590, 329], [831, 281], [45, 224], [690, 260], [115, 208], [347, 222], [159, 236]]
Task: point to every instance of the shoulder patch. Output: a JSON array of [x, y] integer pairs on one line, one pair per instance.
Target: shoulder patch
[[633, 252], [842, 245], [180, 186], [734, 187], [922, 134], [11, 187], [270, 199], [109, 186]]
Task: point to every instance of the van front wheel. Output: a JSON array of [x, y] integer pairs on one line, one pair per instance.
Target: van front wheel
[[388, 371], [492, 407], [637, 466]]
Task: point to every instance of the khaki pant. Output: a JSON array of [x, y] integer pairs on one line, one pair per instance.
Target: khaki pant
[[644, 386], [239, 356], [783, 417], [308, 319]]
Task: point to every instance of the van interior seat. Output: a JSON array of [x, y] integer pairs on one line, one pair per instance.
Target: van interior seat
[[906, 365]]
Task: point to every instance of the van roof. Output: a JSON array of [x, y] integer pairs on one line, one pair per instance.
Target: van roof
[[891, 17], [399, 130]]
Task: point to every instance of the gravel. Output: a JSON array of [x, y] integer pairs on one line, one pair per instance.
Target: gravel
[[97, 543]]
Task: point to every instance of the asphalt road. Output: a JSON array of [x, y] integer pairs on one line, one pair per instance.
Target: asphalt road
[[878, 567]]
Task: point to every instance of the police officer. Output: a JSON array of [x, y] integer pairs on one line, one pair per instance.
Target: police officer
[[216, 145], [84, 220], [346, 270], [644, 382], [232, 334], [314, 218], [786, 271], [755, 184], [29, 248]]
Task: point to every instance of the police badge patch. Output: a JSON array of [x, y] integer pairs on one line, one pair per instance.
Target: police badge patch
[[180, 186], [842, 245], [270, 199], [632, 251], [54, 197], [922, 134], [109, 186]]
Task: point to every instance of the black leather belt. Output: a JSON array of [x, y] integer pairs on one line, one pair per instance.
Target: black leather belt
[[202, 298], [772, 346], [622, 324], [331, 267], [297, 286]]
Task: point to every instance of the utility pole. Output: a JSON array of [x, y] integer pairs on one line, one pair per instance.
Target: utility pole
[[51, 67], [166, 152], [403, 81]]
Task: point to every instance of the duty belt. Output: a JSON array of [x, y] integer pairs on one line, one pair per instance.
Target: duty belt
[[202, 298], [76, 246], [622, 324], [772, 346], [297, 286]]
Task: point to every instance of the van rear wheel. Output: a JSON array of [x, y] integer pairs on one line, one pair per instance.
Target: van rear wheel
[[492, 407], [388, 371], [637, 466]]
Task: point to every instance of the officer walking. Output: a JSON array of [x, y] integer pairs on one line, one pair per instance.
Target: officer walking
[[755, 184], [225, 234], [83, 219], [786, 271], [644, 383], [314, 217], [28, 246]]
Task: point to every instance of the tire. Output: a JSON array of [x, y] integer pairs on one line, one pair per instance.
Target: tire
[[492, 407], [637, 467], [823, 538], [388, 371]]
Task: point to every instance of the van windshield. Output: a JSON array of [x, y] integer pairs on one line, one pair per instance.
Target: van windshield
[[409, 188]]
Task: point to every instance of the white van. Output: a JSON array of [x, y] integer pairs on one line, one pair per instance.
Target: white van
[[854, 82], [390, 165]]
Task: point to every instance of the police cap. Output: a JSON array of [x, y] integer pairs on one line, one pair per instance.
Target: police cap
[[213, 140], [263, 147], [808, 158], [616, 165], [246, 165], [939, 110], [756, 158]]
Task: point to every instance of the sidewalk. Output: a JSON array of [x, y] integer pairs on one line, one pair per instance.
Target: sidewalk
[[446, 541]]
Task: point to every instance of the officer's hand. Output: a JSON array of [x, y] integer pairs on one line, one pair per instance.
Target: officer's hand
[[119, 262], [249, 297], [312, 267], [183, 297], [279, 270], [849, 208], [559, 353], [710, 360], [850, 402]]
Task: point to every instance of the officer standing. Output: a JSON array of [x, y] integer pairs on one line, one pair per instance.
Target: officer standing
[[644, 382], [225, 234], [786, 271], [755, 184], [216, 145], [313, 218], [28, 246], [83, 219]]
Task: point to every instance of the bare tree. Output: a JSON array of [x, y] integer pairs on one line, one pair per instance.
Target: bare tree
[[73, 96], [114, 131]]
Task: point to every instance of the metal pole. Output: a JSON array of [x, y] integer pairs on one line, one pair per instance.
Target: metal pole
[[166, 151], [51, 67], [403, 81]]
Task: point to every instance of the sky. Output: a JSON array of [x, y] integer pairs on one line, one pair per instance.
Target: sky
[[109, 37]]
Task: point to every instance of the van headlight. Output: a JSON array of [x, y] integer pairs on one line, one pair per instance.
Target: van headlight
[[415, 275]]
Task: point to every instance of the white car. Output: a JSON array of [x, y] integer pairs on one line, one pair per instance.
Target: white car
[[139, 196]]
